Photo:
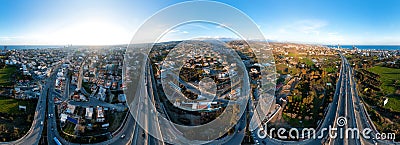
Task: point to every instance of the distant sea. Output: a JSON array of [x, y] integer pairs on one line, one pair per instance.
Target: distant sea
[[11, 47], [375, 47]]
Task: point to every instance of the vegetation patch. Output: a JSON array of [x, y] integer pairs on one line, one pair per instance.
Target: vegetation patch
[[388, 76], [6, 75], [15, 123], [10, 105]]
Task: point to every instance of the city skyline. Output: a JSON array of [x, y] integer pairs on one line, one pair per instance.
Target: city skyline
[[106, 23]]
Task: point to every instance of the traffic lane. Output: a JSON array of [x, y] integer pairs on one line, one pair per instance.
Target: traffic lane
[[328, 119], [128, 130], [137, 106], [34, 134], [350, 116]]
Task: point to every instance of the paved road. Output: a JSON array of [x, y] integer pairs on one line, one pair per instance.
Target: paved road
[[150, 117], [358, 113], [138, 110], [173, 134], [96, 102], [333, 112], [34, 134], [347, 111], [52, 131], [346, 103]]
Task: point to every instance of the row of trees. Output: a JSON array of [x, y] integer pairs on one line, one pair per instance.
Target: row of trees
[[311, 96]]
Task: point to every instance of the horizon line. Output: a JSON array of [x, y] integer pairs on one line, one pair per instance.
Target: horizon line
[[269, 41]]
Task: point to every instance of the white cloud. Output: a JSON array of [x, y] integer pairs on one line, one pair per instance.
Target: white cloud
[[203, 27], [333, 33], [178, 31], [307, 26], [8, 38], [306, 31]]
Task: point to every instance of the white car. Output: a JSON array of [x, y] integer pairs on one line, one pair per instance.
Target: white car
[[41, 122]]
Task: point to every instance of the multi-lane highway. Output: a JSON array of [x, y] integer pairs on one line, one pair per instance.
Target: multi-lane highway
[[141, 111], [335, 110], [346, 104], [52, 130], [149, 114], [47, 98], [346, 133], [358, 114], [34, 134]]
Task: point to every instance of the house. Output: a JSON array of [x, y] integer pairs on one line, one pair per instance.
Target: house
[[102, 94], [89, 113], [122, 98], [70, 109], [17, 90], [100, 114], [63, 117]]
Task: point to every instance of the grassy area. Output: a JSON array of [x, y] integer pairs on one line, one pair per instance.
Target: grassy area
[[116, 120], [69, 128], [10, 105], [331, 70], [15, 123], [6, 75], [294, 122], [86, 86], [388, 76], [394, 103], [291, 54], [284, 69], [307, 61]]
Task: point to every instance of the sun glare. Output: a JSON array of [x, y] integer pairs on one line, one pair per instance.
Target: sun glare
[[91, 32]]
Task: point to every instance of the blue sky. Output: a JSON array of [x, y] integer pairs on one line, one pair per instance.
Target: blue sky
[[115, 22]]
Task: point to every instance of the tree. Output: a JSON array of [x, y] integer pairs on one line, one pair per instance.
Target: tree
[[14, 92]]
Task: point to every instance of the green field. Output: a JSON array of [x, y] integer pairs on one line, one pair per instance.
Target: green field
[[10, 105], [394, 103], [388, 76], [282, 68], [6, 74], [307, 61]]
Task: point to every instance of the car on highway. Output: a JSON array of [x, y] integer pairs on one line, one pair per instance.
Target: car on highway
[[122, 136], [41, 122]]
